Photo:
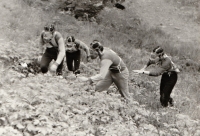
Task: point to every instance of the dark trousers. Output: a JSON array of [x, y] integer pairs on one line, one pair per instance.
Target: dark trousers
[[73, 60], [168, 81], [48, 56]]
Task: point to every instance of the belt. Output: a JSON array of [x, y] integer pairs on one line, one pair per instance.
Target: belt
[[169, 72], [118, 70]]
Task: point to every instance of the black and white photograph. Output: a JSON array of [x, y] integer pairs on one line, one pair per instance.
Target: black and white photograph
[[100, 68]]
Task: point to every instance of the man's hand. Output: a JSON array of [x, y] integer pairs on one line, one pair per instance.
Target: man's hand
[[142, 69], [39, 59], [83, 79], [177, 70], [54, 67], [139, 71], [88, 58]]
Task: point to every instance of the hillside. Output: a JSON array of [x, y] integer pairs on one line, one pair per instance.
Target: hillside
[[172, 19], [44, 105]]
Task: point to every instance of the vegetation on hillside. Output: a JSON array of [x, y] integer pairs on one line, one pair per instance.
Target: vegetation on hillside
[[45, 105]]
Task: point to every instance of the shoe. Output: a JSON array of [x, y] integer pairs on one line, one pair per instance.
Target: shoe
[[77, 72], [171, 102], [61, 77], [59, 73]]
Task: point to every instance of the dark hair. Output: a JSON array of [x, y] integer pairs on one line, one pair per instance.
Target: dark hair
[[49, 27], [119, 6], [96, 45], [158, 50], [70, 39]]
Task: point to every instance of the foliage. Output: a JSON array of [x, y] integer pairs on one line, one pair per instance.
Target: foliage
[[132, 30], [192, 5], [47, 105], [31, 108]]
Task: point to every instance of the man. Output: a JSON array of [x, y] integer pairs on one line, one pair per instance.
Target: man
[[167, 69], [73, 53], [112, 69], [52, 48]]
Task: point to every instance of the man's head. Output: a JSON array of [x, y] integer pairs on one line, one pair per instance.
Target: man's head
[[70, 44], [70, 39], [95, 49], [158, 51], [49, 27], [48, 32]]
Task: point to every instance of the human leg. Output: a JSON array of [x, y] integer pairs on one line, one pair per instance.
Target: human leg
[[121, 81], [162, 85], [44, 64], [69, 61], [173, 80], [105, 83], [170, 81], [77, 57], [53, 55]]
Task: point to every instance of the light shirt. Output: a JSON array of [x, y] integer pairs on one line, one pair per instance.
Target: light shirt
[[108, 61]]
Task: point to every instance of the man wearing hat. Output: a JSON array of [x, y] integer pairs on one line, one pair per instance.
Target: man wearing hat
[[112, 70], [167, 69], [52, 48], [73, 53]]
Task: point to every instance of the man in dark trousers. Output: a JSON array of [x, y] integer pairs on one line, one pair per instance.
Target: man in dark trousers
[[167, 69], [52, 48], [73, 53]]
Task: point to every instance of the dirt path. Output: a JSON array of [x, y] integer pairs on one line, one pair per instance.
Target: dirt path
[[158, 13]]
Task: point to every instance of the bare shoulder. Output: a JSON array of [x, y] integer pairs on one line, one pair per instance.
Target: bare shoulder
[[58, 35], [42, 33], [167, 60], [107, 53], [78, 41]]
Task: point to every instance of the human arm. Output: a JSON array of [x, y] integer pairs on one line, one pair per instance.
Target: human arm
[[144, 67], [42, 46], [61, 49], [141, 71], [155, 72], [105, 65], [83, 46], [61, 53], [166, 65], [151, 61]]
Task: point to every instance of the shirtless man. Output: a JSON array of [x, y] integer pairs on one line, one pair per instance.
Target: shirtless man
[[52, 48]]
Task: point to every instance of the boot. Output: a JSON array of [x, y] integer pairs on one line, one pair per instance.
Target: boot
[[171, 102]]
